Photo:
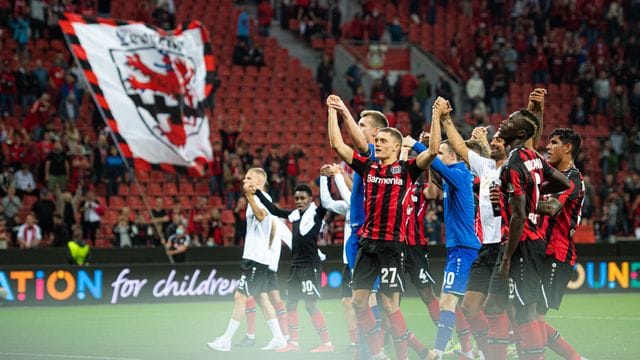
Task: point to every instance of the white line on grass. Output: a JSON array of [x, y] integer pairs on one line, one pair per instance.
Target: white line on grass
[[67, 356]]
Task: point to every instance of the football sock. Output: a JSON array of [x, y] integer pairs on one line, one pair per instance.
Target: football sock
[[353, 335], [532, 341], [445, 329], [498, 338], [232, 327], [434, 311], [275, 328], [463, 331], [479, 326], [250, 312], [292, 320], [367, 326], [281, 314], [318, 322], [400, 334], [559, 345]]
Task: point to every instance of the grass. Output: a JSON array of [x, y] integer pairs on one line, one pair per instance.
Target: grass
[[599, 326]]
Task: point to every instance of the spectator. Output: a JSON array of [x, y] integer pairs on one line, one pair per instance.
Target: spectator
[[79, 251], [26, 85], [6, 181], [619, 142], [417, 120], [216, 182], [11, 203], [178, 244], [276, 179], [230, 136], [498, 93], [67, 205], [292, 169], [214, 237], [423, 94], [38, 117], [60, 232], [80, 166], [335, 20], [142, 232], [432, 228], [241, 54], [354, 77], [57, 168], [475, 89], [359, 101], [619, 104], [5, 235], [602, 91], [92, 212], [242, 27], [123, 233], [69, 108], [24, 182], [57, 76], [115, 171], [634, 103], [240, 224], [578, 114], [265, 14], [256, 56], [586, 90], [176, 221], [198, 219], [375, 26], [634, 149], [15, 151], [8, 89], [540, 68], [324, 76], [20, 29], [43, 209], [29, 235], [100, 153], [38, 10], [407, 89], [55, 12], [395, 31], [159, 221], [609, 162], [589, 200], [162, 17]]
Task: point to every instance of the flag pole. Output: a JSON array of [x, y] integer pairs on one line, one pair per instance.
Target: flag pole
[[128, 167]]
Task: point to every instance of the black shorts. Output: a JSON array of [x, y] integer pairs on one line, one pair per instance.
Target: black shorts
[[272, 281], [416, 265], [379, 258], [482, 268], [345, 288], [555, 277], [254, 278], [525, 282], [304, 282]]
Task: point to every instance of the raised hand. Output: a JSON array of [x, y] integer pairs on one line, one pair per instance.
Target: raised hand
[[335, 102], [479, 133]]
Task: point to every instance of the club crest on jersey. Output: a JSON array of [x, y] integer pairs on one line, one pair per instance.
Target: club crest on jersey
[[162, 86], [395, 170]]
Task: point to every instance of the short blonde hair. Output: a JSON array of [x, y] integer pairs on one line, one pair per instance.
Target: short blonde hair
[[379, 119], [263, 174]]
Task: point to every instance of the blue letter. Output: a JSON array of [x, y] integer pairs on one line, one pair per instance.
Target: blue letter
[[84, 282]]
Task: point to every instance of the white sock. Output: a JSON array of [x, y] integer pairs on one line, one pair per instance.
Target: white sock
[[231, 329], [251, 336], [275, 328]]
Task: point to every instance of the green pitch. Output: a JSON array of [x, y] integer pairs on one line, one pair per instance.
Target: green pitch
[[599, 326]]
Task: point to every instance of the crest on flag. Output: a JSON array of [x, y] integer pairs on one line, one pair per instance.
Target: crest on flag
[[150, 85]]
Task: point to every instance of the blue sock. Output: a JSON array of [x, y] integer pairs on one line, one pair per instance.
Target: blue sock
[[376, 314], [445, 328]]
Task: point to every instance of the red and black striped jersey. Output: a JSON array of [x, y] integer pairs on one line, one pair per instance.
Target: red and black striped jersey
[[385, 189], [523, 174], [559, 229], [416, 212]]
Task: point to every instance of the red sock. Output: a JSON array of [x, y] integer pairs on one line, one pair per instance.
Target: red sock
[[498, 338], [318, 322], [434, 310], [532, 341], [416, 344], [367, 326], [479, 326], [281, 314], [250, 312], [463, 331], [292, 319], [400, 334], [558, 344], [353, 335]]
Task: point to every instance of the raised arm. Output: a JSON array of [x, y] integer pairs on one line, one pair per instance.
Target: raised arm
[[343, 188], [335, 138], [555, 183], [338, 207], [536, 106], [549, 207], [274, 210], [353, 129], [258, 212], [455, 140], [424, 159]]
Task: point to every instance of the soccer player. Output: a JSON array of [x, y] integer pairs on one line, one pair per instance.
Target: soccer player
[[516, 276], [280, 233], [563, 216], [488, 171], [255, 263], [386, 183], [461, 240], [304, 276], [341, 207]]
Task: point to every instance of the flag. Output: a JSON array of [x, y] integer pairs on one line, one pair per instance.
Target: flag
[[150, 86]]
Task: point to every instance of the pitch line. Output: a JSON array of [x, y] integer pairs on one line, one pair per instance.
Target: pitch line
[[64, 356]]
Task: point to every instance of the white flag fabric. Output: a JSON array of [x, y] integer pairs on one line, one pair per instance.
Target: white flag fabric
[[150, 85]]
